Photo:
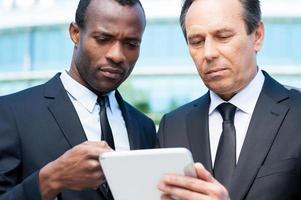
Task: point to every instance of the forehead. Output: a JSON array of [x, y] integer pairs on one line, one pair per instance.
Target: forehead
[[214, 15], [111, 13]]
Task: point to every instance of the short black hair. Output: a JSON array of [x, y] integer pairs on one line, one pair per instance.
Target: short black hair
[[251, 14], [80, 15]]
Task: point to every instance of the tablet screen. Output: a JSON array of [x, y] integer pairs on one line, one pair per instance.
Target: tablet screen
[[134, 175]]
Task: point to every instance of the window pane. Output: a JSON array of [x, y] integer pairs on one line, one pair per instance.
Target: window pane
[[51, 48], [14, 53]]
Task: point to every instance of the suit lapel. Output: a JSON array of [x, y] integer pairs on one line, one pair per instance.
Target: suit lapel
[[264, 125], [64, 112], [131, 123], [198, 132]]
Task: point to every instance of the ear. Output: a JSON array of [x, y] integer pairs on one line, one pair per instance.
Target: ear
[[259, 36], [74, 33]]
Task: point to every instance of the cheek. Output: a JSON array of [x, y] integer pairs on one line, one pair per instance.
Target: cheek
[[93, 52], [241, 50], [131, 58], [245, 59], [234, 56], [85, 55], [197, 57]]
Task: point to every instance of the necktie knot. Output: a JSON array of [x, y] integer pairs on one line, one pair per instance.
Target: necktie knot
[[101, 100], [227, 110]]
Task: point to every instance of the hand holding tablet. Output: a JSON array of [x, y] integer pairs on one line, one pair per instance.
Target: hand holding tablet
[[134, 175]]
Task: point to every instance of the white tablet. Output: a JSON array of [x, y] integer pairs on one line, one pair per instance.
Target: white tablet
[[134, 175]]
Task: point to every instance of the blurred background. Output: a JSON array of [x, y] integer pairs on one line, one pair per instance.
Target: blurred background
[[35, 44]]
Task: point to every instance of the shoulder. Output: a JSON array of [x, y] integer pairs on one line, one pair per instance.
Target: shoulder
[[274, 88], [295, 97], [294, 92], [20, 104], [284, 94], [23, 96], [30, 94]]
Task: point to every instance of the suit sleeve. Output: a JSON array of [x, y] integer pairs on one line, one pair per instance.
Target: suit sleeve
[[13, 185]]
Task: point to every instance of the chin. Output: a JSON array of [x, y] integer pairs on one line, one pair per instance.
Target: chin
[[221, 89], [108, 89], [105, 86]]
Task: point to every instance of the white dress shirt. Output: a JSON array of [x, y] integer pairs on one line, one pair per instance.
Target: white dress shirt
[[245, 102], [87, 108]]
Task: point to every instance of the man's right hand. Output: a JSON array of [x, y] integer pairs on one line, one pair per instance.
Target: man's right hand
[[203, 187], [76, 169]]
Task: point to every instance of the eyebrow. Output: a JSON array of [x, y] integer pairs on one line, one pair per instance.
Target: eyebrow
[[224, 30], [103, 32], [194, 35]]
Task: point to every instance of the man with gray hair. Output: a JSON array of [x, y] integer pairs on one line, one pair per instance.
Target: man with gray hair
[[245, 133]]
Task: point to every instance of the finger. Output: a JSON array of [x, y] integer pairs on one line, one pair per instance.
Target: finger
[[94, 149], [93, 180], [185, 182], [183, 186], [202, 173], [174, 192], [100, 144], [93, 165], [98, 177]]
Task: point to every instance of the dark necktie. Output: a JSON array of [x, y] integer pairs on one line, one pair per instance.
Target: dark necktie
[[106, 132], [225, 160]]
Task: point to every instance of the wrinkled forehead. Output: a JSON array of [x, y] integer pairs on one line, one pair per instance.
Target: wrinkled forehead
[[213, 15]]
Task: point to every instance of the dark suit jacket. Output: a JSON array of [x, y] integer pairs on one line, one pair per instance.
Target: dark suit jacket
[[269, 164], [38, 125]]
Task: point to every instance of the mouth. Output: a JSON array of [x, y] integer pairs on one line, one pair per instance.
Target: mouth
[[216, 72], [111, 72]]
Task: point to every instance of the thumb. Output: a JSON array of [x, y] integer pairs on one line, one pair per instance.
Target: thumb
[[202, 173]]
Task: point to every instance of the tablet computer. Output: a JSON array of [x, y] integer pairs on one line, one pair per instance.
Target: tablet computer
[[134, 175]]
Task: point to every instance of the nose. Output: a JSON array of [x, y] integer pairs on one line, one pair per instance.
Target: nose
[[210, 49], [115, 53]]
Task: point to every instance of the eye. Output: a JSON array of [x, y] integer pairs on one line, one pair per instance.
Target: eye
[[224, 37], [133, 44], [102, 39], [196, 41]]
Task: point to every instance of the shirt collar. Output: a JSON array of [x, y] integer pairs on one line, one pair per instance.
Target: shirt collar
[[112, 103], [79, 92], [82, 94], [245, 100]]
